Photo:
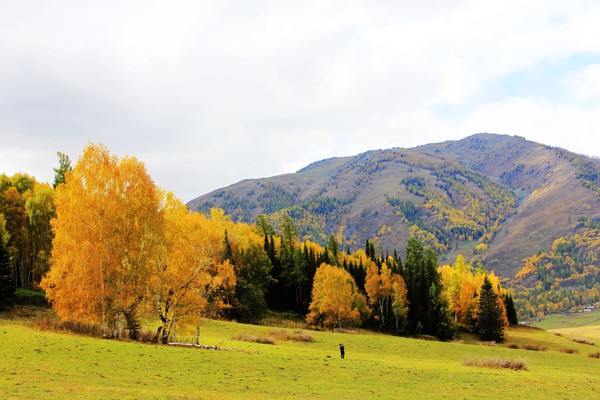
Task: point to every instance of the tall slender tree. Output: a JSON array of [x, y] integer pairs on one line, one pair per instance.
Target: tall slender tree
[[428, 308], [489, 319], [511, 312]]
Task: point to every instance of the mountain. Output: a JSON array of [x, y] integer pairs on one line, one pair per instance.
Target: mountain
[[496, 199]]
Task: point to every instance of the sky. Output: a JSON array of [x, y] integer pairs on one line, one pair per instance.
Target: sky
[[207, 93]]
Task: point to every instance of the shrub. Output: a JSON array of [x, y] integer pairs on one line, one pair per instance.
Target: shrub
[[533, 347], [80, 328], [146, 336], [497, 362], [594, 355], [491, 343], [296, 335], [583, 341], [30, 297], [512, 345], [49, 324], [246, 337], [429, 338], [569, 351]]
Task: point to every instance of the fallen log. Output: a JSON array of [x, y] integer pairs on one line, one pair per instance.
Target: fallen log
[[197, 346]]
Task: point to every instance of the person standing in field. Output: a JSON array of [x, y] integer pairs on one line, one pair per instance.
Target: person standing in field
[[342, 350]]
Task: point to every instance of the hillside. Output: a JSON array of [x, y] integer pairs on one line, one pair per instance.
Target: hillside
[[497, 199]]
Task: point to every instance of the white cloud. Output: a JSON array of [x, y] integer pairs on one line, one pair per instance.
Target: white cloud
[[209, 93], [584, 85]]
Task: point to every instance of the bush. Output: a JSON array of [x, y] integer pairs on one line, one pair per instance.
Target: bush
[[246, 337], [569, 351], [512, 346], [583, 341], [497, 362], [31, 297], [594, 355], [296, 335], [533, 347], [48, 324]]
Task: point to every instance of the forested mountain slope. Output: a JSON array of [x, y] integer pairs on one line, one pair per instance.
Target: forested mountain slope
[[494, 198]]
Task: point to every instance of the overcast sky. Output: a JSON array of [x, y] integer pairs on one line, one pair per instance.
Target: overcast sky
[[207, 93]]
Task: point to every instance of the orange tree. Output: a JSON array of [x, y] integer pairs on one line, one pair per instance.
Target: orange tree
[[107, 228], [191, 279], [336, 301]]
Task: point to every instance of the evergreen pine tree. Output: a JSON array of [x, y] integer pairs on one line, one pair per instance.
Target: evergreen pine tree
[[228, 253], [437, 317], [511, 312], [489, 318], [61, 172]]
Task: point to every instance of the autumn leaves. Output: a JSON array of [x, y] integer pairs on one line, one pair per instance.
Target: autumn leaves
[[124, 249], [122, 246]]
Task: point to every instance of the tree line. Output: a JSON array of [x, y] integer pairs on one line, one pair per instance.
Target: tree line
[[118, 248]]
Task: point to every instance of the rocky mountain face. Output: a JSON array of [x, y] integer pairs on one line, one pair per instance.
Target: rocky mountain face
[[496, 199]]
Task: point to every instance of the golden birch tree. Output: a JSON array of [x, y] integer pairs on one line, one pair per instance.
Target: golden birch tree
[[336, 301], [106, 232], [190, 280]]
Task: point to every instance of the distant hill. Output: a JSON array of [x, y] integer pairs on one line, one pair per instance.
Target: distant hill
[[497, 199]]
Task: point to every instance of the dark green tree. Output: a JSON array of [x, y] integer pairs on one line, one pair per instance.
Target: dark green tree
[[7, 283], [228, 253], [253, 280], [64, 166], [437, 316], [413, 277], [332, 247], [511, 312], [291, 277], [428, 309], [276, 296], [489, 318]]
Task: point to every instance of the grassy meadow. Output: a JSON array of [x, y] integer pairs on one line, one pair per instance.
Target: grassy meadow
[[573, 324], [51, 365]]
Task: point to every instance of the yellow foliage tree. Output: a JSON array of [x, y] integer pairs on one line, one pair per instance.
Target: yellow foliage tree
[[336, 301], [189, 280], [106, 232], [462, 284]]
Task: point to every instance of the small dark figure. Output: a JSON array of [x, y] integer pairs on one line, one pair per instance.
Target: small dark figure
[[342, 351]]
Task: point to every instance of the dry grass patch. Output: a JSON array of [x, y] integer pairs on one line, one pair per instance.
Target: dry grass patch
[[296, 335], [519, 364], [594, 355], [533, 347], [80, 328], [583, 341], [512, 345], [569, 351], [47, 324], [246, 337]]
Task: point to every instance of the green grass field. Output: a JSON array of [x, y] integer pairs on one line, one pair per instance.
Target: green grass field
[[573, 324], [50, 365]]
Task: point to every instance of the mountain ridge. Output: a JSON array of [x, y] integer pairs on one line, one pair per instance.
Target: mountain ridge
[[496, 199]]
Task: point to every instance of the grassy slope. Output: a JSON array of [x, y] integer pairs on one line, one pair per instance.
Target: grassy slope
[[39, 364], [577, 324]]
